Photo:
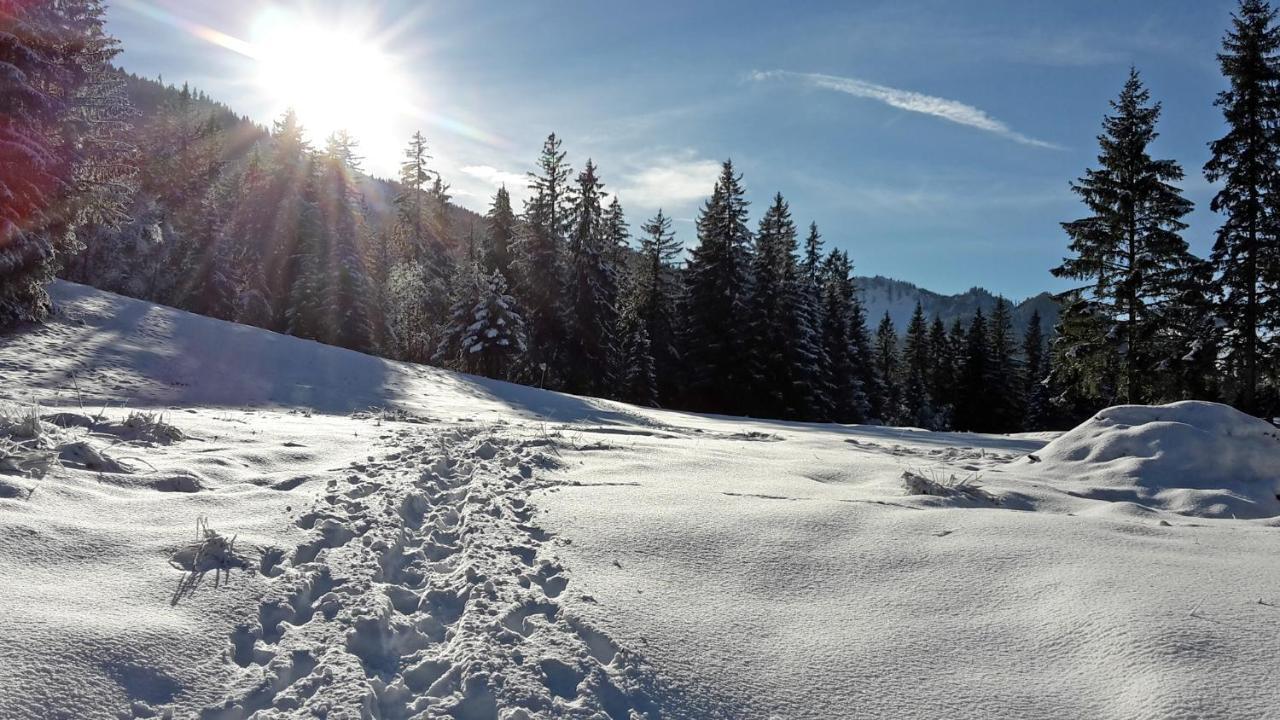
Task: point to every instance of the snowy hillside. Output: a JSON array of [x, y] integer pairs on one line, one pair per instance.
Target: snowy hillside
[[899, 298], [381, 540]]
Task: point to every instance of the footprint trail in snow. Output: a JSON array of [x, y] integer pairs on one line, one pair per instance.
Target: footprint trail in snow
[[425, 590]]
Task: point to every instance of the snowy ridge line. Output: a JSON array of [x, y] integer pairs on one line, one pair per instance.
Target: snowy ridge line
[[426, 591]]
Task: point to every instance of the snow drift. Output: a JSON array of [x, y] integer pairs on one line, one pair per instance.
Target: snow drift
[[1194, 458]]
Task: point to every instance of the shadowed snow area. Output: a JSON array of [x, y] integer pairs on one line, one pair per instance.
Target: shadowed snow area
[[260, 526]]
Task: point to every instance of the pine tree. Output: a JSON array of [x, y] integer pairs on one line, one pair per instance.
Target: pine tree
[[63, 168], [846, 356], [1131, 249], [917, 361], [717, 287], [636, 381], [886, 364], [501, 235], [653, 298], [783, 343], [485, 335], [942, 373], [411, 202], [538, 265], [592, 293], [971, 407], [1004, 382], [342, 214], [1035, 390], [1246, 253], [1082, 361]]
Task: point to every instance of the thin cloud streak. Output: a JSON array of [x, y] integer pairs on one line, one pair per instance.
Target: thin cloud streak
[[949, 110]]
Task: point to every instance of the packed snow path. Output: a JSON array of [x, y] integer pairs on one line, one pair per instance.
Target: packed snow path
[[426, 591]]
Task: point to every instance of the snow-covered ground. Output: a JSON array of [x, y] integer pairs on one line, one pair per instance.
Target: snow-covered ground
[[414, 543]]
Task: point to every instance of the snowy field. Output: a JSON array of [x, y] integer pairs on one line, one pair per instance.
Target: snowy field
[[410, 542]]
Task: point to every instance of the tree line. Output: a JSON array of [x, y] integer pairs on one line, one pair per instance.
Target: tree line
[[160, 193]]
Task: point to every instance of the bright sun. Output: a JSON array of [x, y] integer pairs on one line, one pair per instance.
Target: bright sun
[[333, 72]]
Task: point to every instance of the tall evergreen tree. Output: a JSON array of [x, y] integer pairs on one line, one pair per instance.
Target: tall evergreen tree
[[653, 297], [538, 261], [942, 373], [1004, 382], [971, 406], [1035, 389], [917, 361], [62, 167], [783, 343], [717, 286], [1130, 249], [501, 235], [887, 372], [592, 293], [411, 202], [846, 355], [1246, 253]]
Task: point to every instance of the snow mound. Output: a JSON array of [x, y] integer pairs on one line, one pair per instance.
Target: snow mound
[[1194, 458]]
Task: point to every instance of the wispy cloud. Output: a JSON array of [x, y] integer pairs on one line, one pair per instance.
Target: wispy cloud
[[950, 110], [669, 182]]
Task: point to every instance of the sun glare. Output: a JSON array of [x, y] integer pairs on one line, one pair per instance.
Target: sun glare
[[332, 71]]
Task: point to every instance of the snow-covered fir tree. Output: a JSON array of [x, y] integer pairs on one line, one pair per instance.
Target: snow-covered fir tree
[[485, 334], [500, 235], [592, 293], [538, 263], [63, 168]]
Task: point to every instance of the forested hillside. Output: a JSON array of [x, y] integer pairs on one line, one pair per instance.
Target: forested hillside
[[163, 194]]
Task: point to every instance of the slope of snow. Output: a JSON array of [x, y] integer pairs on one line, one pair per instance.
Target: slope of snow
[[474, 549]]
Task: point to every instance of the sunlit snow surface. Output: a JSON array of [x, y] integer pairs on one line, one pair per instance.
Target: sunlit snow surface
[[481, 550]]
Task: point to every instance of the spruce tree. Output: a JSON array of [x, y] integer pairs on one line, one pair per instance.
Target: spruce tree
[[887, 372], [538, 264], [784, 356], [653, 297], [636, 381], [717, 284], [1246, 253], [846, 355], [63, 168], [971, 406], [1004, 383], [918, 359], [1035, 395], [411, 202], [942, 373], [592, 293], [485, 334], [501, 235], [1130, 249]]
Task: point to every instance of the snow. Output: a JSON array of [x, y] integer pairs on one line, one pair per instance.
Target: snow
[[1195, 458], [424, 544]]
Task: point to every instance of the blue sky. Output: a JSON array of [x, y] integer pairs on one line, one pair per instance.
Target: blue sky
[[932, 140]]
